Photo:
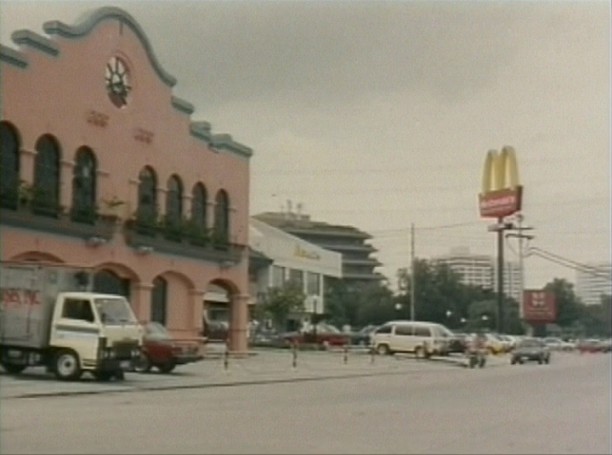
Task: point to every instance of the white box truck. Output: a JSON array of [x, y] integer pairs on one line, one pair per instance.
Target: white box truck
[[49, 317]]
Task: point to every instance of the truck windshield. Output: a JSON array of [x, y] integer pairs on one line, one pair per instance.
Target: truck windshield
[[114, 311]]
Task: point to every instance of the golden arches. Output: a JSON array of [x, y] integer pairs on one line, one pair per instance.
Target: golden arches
[[500, 170]]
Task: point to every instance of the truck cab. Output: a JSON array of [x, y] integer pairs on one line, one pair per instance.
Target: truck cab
[[93, 332]]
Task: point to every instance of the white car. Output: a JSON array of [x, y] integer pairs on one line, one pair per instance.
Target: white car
[[424, 339]]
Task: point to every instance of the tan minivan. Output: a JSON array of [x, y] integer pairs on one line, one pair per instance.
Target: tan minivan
[[424, 339]]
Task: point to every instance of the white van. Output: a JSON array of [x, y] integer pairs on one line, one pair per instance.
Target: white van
[[424, 339]]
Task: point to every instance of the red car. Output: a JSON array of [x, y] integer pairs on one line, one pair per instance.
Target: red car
[[326, 335], [591, 345], [162, 351]]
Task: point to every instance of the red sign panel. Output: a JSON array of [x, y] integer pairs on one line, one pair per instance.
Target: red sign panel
[[539, 306], [500, 203]]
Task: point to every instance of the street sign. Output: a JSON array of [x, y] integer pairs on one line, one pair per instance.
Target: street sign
[[539, 307]]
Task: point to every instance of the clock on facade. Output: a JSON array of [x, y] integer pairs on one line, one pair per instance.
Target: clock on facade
[[117, 81]]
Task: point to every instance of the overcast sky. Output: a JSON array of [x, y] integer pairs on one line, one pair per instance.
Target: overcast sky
[[379, 114]]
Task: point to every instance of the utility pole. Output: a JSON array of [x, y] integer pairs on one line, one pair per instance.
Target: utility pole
[[500, 277], [521, 254], [499, 228], [413, 275]]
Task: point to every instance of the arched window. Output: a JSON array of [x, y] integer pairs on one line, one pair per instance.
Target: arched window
[[173, 227], [222, 217], [198, 206], [108, 282], [84, 187], [174, 200], [198, 224], [159, 297], [46, 177], [9, 154], [147, 201]]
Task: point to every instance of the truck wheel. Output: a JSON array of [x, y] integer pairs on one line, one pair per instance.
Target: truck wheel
[[67, 366], [13, 368], [166, 367]]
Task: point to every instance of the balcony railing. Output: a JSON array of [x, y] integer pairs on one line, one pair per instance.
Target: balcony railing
[[184, 240], [55, 221]]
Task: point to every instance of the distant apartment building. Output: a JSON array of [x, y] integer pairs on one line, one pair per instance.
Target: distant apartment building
[[594, 282], [481, 270], [358, 263]]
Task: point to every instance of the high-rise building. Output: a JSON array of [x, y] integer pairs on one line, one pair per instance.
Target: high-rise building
[[357, 262], [593, 282], [481, 270]]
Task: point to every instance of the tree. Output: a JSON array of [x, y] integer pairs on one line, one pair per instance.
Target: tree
[[281, 302], [569, 307]]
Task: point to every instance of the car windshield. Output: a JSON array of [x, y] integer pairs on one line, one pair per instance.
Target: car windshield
[[530, 344], [157, 331], [114, 310]]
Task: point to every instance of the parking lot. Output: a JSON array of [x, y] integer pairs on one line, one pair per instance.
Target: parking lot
[[263, 365]]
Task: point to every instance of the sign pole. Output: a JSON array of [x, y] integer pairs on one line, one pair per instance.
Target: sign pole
[[500, 277], [413, 274]]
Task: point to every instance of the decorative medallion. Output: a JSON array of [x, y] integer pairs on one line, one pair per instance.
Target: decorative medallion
[[117, 81]]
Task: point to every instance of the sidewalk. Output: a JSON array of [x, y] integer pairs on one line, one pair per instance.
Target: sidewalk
[[263, 366]]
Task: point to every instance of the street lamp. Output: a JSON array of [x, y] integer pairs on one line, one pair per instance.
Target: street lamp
[[398, 308], [485, 319]]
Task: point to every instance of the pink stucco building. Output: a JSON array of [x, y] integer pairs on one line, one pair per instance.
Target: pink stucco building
[[103, 167]]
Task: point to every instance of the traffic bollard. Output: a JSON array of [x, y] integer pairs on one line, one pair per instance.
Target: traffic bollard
[[345, 355], [372, 355], [226, 358], [294, 355]]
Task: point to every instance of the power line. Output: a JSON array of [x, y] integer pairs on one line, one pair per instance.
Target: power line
[[556, 259]]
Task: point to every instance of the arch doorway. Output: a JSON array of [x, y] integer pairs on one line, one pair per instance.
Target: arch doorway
[[108, 282]]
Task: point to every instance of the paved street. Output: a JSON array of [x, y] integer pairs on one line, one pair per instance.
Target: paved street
[[322, 406]]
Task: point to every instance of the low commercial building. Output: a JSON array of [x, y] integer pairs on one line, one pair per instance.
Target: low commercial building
[[292, 261]]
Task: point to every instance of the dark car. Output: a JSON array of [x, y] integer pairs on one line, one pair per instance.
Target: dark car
[[531, 349], [164, 352], [457, 343], [362, 337]]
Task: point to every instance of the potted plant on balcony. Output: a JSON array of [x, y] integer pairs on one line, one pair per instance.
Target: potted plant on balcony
[[196, 234]]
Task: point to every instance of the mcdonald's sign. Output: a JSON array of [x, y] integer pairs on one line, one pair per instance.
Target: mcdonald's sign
[[501, 191], [539, 307]]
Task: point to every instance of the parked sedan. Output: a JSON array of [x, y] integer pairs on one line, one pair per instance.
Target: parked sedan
[[164, 352], [531, 349], [325, 335], [592, 345]]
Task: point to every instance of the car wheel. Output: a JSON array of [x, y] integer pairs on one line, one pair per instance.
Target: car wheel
[[383, 349], [513, 361], [166, 367], [540, 360], [142, 364], [547, 360], [419, 352], [521, 361], [67, 365]]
